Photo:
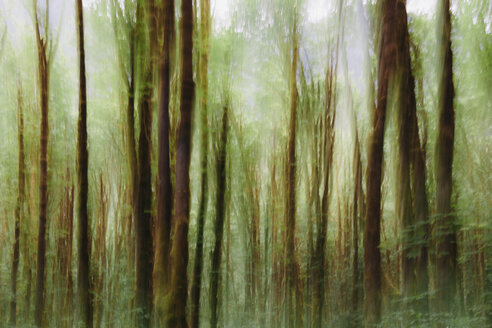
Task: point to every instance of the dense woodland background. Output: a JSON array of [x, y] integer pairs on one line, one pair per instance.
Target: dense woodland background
[[245, 163]]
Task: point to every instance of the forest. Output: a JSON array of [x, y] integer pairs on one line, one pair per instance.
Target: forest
[[245, 163]]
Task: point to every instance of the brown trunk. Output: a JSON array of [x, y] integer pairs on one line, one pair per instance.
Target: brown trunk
[[19, 210], [355, 224], [43, 74], [83, 271], [404, 211], [203, 81], [177, 297], [131, 147], [162, 269], [220, 208], [372, 255], [99, 254], [418, 280], [325, 151], [445, 225], [294, 316], [143, 249]]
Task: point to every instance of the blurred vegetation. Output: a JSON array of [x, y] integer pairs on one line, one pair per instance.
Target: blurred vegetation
[[249, 72]]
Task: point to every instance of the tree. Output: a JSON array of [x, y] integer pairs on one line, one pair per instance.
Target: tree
[[19, 209], [44, 48], [220, 210], [204, 148], [405, 95], [144, 244], [414, 218], [177, 296], [162, 268], [293, 299], [445, 233], [83, 271], [126, 21], [372, 255]]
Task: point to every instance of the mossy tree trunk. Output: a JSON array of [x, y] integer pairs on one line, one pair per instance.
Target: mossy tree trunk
[[178, 293]]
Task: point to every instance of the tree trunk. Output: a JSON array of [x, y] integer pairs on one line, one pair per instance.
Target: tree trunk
[[404, 210], [83, 271], [355, 224], [372, 255], [220, 208], [203, 80], [43, 72], [143, 249], [177, 297], [292, 265], [162, 269], [445, 225], [19, 210], [419, 281]]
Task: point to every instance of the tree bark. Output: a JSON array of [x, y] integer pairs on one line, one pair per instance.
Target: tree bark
[[220, 209], [445, 226], [43, 75], [372, 255], [19, 209], [162, 269], [83, 271], [203, 81], [355, 223], [404, 210], [143, 224], [177, 297], [415, 273], [292, 264]]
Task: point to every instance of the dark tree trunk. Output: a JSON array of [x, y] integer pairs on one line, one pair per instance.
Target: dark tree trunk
[[372, 255], [130, 130], [220, 210], [83, 271], [143, 224], [43, 74], [203, 75], [177, 297], [445, 225], [19, 209], [162, 269], [415, 273], [404, 210]]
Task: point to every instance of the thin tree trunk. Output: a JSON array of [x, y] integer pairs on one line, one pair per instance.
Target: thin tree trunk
[[372, 255], [292, 265], [203, 80], [83, 271], [19, 210], [220, 209], [43, 72], [177, 297], [446, 262], [162, 268], [355, 224]]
